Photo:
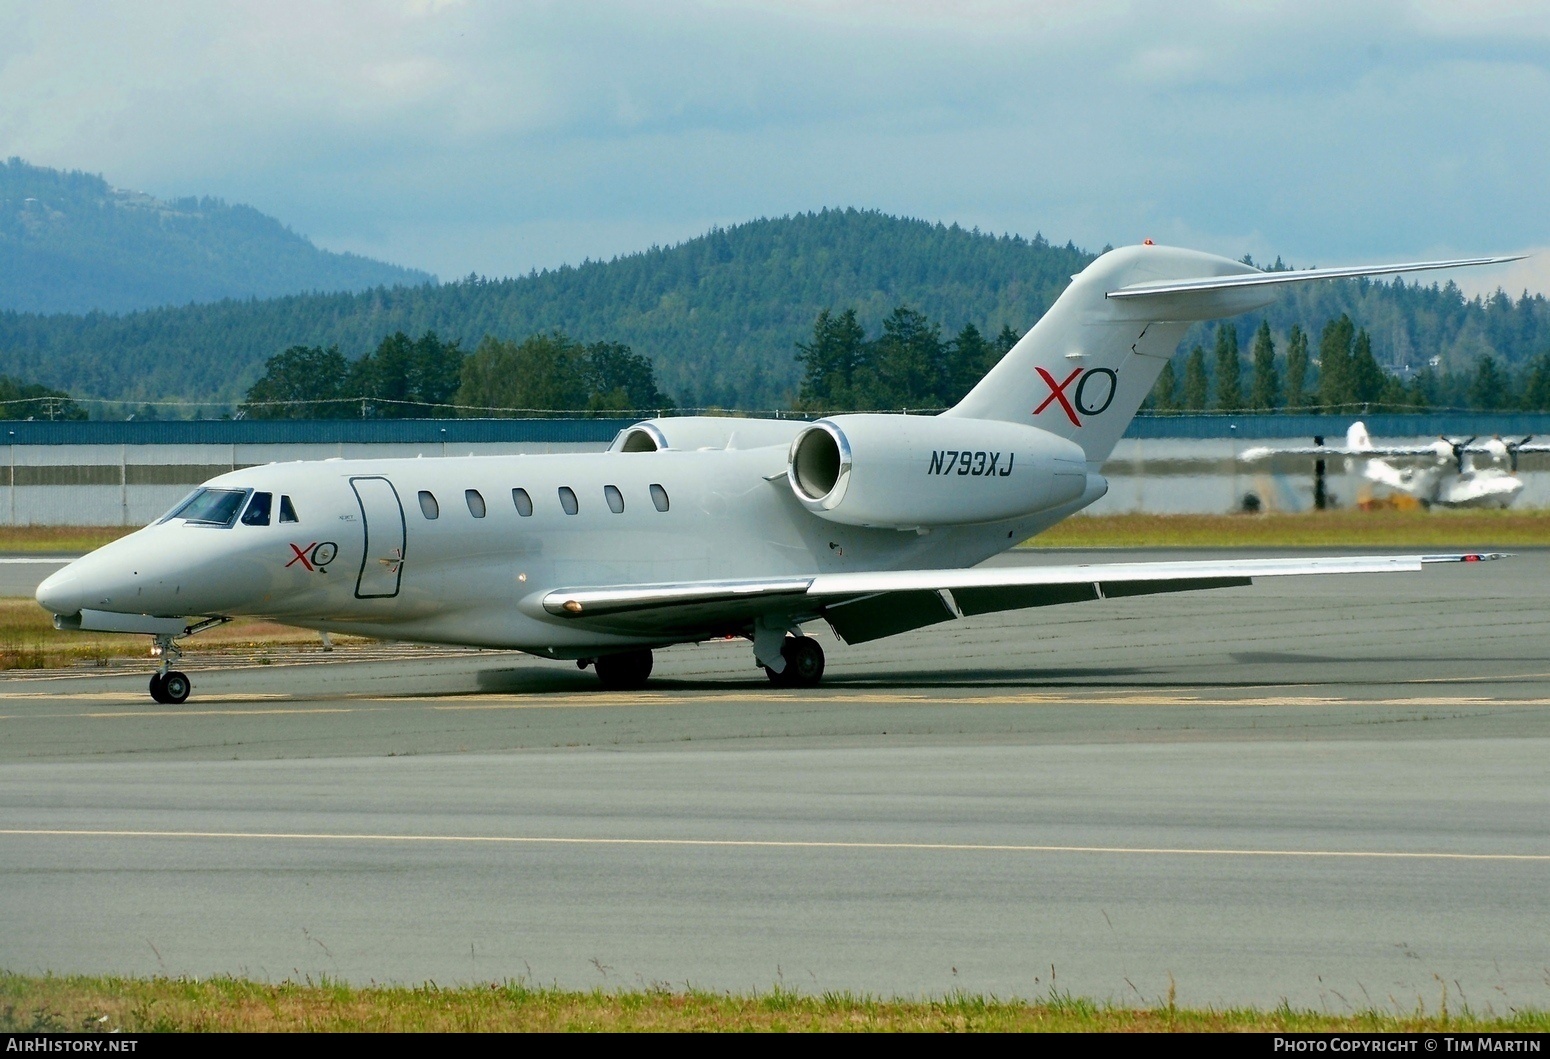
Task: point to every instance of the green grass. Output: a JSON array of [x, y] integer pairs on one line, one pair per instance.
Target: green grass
[[138, 1005], [1346, 528], [1343, 528]]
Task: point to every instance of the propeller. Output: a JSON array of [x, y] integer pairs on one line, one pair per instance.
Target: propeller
[[1512, 451], [1458, 451]]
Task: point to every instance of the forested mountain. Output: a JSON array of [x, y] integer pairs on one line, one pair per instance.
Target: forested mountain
[[719, 316], [70, 243]]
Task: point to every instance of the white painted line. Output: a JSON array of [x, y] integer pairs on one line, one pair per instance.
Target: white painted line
[[729, 843], [56, 561]]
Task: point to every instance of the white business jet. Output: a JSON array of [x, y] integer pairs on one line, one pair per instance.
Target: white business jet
[[692, 528]]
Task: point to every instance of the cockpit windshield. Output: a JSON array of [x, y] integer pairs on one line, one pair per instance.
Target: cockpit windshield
[[209, 507]]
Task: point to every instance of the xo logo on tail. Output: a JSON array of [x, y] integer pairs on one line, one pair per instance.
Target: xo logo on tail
[[1089, 398]]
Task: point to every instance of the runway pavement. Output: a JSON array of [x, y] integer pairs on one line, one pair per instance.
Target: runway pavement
[[1331, 791]]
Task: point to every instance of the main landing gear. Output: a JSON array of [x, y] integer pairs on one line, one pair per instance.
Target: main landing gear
[[626, 671], [804, 663]]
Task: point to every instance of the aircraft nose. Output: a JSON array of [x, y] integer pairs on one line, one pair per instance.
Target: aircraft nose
[[61, 592]]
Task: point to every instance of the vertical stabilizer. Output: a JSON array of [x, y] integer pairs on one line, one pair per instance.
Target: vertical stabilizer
[[1083, 370]]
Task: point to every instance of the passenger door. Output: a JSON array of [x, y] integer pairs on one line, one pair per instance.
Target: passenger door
[[382, 522]]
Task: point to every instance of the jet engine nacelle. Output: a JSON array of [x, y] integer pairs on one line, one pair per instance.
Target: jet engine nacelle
[[904, 472]]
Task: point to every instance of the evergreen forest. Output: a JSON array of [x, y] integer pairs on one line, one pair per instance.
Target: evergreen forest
[[834, 309]]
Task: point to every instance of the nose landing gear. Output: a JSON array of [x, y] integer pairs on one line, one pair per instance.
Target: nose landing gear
[[168, 685], [171, 687]]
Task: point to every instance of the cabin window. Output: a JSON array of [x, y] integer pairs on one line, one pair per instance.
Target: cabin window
[[210, 507], [257, 513], [615, 499], [475, 502], [287, 512], [524, 502], [659, 497], [568, 500], [428, 506]]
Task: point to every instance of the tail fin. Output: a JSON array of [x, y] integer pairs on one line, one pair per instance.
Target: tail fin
[[1357, 439], [1086, 366]]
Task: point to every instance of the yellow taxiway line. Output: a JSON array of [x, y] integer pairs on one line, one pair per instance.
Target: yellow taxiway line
[[729, 843]]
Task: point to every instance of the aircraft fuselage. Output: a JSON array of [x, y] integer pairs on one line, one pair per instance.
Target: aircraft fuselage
[[364, 556]]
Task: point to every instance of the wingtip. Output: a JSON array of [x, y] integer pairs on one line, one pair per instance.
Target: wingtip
[[1467, 557]]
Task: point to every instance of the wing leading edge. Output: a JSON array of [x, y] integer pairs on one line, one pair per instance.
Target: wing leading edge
[[871, 605]]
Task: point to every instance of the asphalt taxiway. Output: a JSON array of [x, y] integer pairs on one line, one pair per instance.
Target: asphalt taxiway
[[1327, 790]]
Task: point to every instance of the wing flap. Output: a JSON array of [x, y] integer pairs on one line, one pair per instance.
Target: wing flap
[[989, 599], [888, 614]]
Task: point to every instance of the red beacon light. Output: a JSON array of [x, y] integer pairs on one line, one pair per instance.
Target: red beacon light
[[1147, 242]]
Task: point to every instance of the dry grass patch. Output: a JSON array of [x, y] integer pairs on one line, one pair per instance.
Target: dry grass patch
[[63, 540], [138, 1005], [28, 639], [1343, 528]]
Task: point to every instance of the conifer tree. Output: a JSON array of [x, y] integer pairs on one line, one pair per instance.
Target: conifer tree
[[1165, 392], [1296, 368], [1536, 385], [831, 361], [1335, 382], [1196, 390], [971, 357], [1366, 377], [1488, 389], [1265, 393], [1229, 383]]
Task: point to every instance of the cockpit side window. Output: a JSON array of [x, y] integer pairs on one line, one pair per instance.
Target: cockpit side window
[[210, 507], [257, 513], [287, 512]]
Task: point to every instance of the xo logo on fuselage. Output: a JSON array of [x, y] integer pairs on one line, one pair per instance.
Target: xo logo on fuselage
[[1092, 396], [315, 556]]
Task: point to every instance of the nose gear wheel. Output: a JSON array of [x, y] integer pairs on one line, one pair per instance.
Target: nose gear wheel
[[170, 688]]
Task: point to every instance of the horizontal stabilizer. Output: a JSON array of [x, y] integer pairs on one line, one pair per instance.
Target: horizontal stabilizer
[[1268, 279]]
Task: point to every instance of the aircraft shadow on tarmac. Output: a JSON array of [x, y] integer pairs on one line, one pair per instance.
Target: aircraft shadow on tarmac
[[548, 681], [541, 680]]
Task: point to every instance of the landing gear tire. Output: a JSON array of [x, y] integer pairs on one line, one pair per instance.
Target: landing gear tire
[[624, 672], [171, 688], [804, 664]]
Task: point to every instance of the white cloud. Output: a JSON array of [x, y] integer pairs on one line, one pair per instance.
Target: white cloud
[[474, 136]]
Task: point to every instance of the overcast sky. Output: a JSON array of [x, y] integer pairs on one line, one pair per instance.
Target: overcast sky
[[495, 137]]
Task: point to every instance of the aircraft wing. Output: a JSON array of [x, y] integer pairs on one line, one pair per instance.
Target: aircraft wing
[[1261, 452], [868, 606]]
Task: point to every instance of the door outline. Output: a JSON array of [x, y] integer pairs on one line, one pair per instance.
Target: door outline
[[366, 550]]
